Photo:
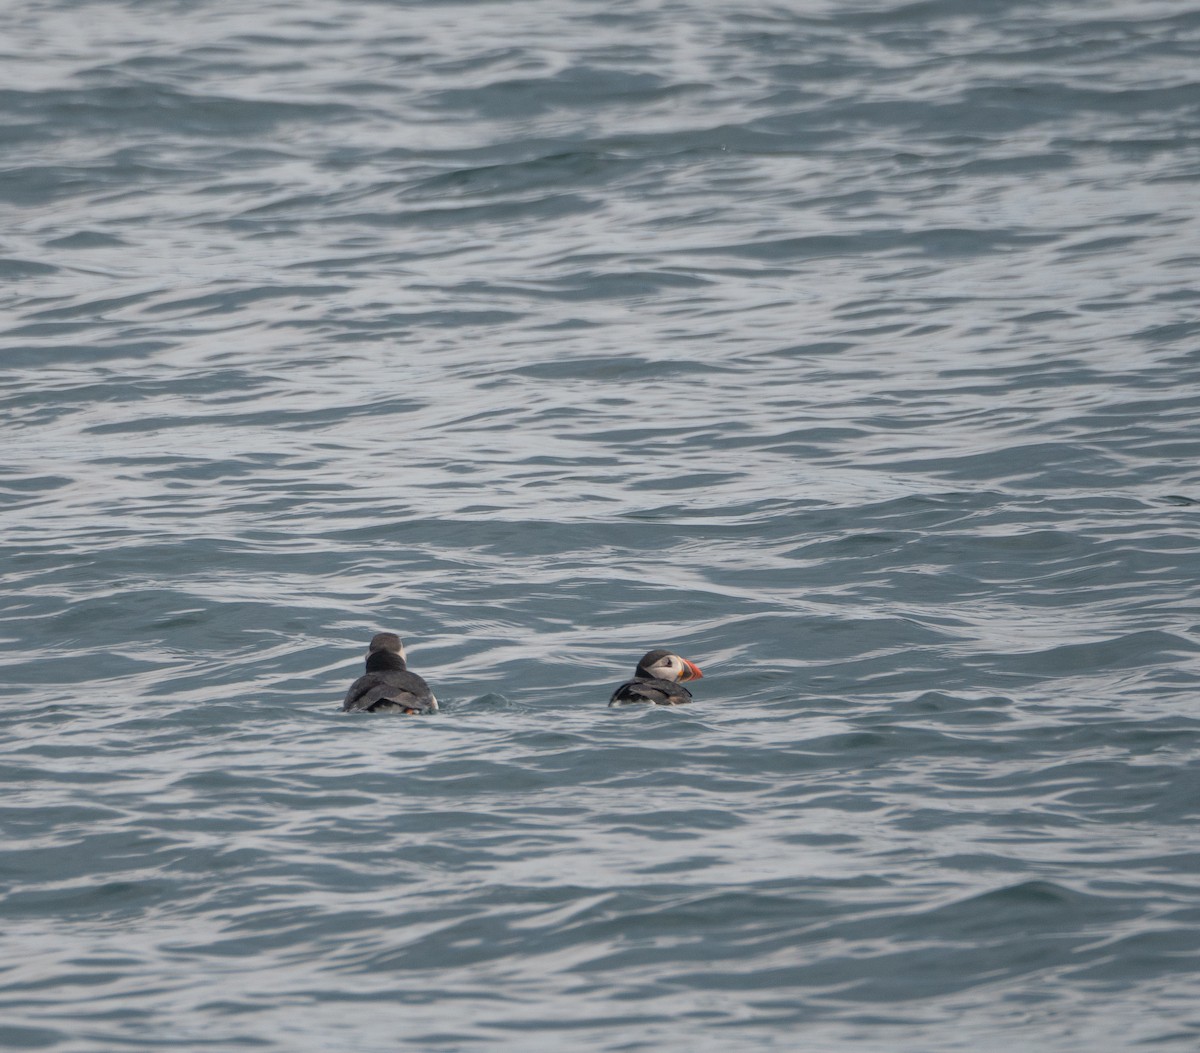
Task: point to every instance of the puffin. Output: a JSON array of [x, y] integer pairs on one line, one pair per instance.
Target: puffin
[[657, 680], [387, 686]]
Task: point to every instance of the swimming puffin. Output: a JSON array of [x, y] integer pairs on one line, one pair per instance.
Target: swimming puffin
[[657, 680], [387, 686]]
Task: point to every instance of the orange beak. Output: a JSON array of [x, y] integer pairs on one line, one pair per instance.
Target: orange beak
[[691, 671]]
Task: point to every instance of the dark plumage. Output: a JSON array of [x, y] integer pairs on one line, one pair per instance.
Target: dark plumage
[[387, 686], [657, 681]]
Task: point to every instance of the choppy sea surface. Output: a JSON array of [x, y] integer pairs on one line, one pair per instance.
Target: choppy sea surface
[[850, 349]]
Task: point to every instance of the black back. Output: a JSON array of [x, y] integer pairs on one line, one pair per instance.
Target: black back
[[377, 661], [387, 685], [651, 689]]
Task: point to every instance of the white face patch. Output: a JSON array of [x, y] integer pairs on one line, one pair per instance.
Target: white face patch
[[667, 668]]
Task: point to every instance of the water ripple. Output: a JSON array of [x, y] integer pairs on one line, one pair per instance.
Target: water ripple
[[850, 352]]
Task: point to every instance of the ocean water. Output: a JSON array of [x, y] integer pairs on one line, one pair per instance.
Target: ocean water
[[850, 349]]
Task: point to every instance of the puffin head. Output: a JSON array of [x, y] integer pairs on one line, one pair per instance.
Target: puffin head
[[666, 665], [386, 642]]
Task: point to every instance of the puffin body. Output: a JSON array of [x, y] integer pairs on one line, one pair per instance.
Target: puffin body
[[387, 686], [657, 680]]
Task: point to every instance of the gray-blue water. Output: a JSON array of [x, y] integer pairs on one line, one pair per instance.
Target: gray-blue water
[[851, 349]]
